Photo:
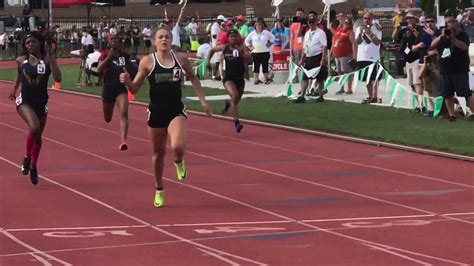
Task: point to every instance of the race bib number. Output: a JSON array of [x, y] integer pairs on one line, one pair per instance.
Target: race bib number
[[121, 61], [41, 68], [176, 74], [235, 53], [18, 100]]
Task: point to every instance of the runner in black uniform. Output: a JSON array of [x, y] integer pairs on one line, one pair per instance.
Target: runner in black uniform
[[111, 65], [34, 69], [166, 115], [235, 57]]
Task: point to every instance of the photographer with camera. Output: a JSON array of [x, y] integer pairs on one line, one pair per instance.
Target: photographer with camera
[[453, 46], [368, 38]]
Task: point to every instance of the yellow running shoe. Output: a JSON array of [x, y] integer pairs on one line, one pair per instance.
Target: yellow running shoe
[[159, 198], [180, 170]]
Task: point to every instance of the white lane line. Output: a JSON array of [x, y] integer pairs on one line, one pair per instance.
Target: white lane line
[[143, 222], [242, 236], [397, 254], [40, 259], [31, 248], [74, 228], [218, 256], [271, 172], [307, 154], [224, 197]]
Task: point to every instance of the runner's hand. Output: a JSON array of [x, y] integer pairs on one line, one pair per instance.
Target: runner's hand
[[206, 108], [125, 77], [12, 95]]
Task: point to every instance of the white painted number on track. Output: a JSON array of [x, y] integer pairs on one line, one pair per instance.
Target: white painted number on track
[[387, 224], [235, 229], [75, 234]]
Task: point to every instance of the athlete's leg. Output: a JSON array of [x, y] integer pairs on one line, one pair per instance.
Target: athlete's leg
[[122, 104], [158, 140]]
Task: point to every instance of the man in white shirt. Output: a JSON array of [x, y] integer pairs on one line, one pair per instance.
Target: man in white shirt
[[147, 37], [216, 28], [314, 53], [87, 42], [368, 37], [193, 28]]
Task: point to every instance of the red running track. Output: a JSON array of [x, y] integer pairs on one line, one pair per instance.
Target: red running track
[[265, 196]]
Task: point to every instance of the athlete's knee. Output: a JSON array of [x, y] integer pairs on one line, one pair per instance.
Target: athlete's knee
[[178, 149]]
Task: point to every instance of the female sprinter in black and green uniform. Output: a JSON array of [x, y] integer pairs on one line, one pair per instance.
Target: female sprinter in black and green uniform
[[166, 115]]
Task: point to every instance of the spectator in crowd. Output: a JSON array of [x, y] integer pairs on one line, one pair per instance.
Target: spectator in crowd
[[87, 42], [397, 21], [259, 42], [216, 58], [368, 38], [27, 13], [314, 53], [468, 24], [135, 30], [413, 47], [125, 37], [74, 38], [344, 51], [453, 47], [204, 49], [113, 29], [192, 31], [296, 36], [356, 19], [242, 26], [146, 33], [3, 42], [216, 28], [282, 35]]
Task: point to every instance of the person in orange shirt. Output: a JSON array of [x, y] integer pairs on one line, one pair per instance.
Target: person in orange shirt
[[296, 36]]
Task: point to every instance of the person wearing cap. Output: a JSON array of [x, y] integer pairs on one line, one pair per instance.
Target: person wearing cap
[[259, 42], [314, 53], [453, 49], [242, 26], [235, 57], [411, 46], [368, 38], [215, 61]]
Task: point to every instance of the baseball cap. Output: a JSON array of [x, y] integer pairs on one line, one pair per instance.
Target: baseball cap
[[221, 17], [240, 18]]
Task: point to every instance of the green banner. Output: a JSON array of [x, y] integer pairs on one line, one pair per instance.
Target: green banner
[[328, 83], [438, 105]]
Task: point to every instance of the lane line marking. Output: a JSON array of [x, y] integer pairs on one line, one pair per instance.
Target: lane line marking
[[221, 196], [143, 222], [31, 248]]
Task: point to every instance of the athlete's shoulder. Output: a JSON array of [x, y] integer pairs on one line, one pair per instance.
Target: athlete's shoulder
[[181, 57]]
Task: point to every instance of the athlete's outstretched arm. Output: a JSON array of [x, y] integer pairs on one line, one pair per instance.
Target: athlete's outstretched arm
[[143, 69], [184, 61]]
